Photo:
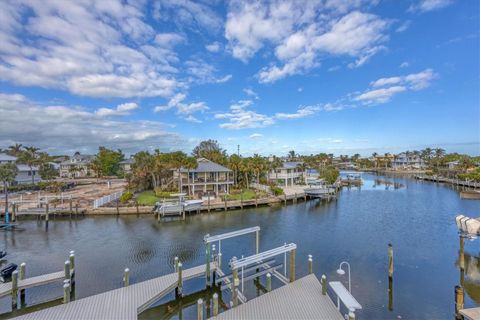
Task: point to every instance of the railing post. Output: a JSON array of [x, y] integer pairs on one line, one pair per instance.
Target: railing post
[[14, 289], [178, 292], [22, 276], [324, 284], [200, 309], [269, 282], [235, 283], [292, 265], [215, 304], [310, 264]]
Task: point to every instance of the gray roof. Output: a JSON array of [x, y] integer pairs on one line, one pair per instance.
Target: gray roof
[[79, 159], [291, 164], [128, 161], [205, 165], [6, 157]]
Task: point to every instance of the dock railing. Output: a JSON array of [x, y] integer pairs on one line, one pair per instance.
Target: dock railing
[[106, 199]]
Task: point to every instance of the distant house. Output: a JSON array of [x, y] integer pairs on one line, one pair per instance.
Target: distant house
[[408, 161], [209, 178], [289, 173], [126, 165], [78, 166], [452, 164], [24, 174]]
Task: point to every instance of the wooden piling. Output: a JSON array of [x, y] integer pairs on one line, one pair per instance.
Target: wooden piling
[[66, 268], [241, 200], [66, 293], [126, 277], [207, 265], [71, 259], [215, 304], [351, 314], [71, 207], [76, 210], [208, 201], [225, 199], [462, 253], [200, 309], [257, 241], [459, 301], [175, 263], [292, 265], [324, 284], [295, 198], [46, 212], [220, 260], [14, 213], [136, 206], [269, 282], [22, 276], [285, 199], [14, 289], [235, 283], [118, 209], [256, 199], [310, 264], [178, 291], [390, 294], [390, 260]]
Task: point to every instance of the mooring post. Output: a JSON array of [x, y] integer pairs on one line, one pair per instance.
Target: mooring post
[[295, 198], [225, 199], [256, 199], [241, 200], [23, 267], [285, 198], [215, 304], [118, 209], [14, 213], [235, 283], [46, 212], [207, 266], [136, 206], [459, 297], [71, 207], [324, 284], [66, 268], [310, 264], [76, 210], [462, 253], [71, 259], [14, 289], [351, 314], [292, 265], [269, 282], [390, 260], [175, 263], [219, 260], [66, 293], [257, 241], [390, 294], [126, 277], [178, 292], [200, 309]]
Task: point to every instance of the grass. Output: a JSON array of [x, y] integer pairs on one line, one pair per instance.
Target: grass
[[147, 198], [247, 194]]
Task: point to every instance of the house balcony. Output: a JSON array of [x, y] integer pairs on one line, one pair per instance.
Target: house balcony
[[292, 175]]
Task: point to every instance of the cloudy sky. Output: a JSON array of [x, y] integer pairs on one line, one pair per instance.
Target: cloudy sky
[[333, 76]]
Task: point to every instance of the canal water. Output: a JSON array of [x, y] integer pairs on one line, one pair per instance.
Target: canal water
[[416, 217]]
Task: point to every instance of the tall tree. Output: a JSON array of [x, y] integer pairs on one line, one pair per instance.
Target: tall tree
[[8, 172], [291, 155], [258, 166], [14, 150], [30, 157], [234, 162], [47, 171], [275, 164], [107, 161], [211, 150]]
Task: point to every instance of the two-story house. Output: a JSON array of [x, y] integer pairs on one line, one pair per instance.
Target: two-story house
[[25, 173], [289, 173], [78, 166]]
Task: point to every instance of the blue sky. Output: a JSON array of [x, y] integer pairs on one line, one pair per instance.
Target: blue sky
[[331, 76]]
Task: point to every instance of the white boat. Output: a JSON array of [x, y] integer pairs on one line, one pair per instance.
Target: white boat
[[319, 191], [193, 205], [169, 208]]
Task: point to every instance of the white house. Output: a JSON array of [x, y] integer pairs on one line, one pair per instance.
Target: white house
[[209, 178], [24, 174], [289, 173], [78, 166], [407, 161]]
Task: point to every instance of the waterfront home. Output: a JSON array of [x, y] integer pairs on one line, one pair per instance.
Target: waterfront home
[[408, 161], [126, 165], [209, 178], [290, 173], [25, 173], [78, 166]]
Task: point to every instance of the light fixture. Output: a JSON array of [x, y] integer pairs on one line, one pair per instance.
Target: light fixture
[[341, 272]]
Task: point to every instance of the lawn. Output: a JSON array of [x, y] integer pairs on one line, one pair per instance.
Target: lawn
[[246, 194], [147, 198]]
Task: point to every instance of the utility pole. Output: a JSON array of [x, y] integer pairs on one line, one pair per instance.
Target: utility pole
[[238, 150]]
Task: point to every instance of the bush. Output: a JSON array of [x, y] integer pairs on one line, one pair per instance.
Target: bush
[[126, 196], [277, 191], [161, 193]]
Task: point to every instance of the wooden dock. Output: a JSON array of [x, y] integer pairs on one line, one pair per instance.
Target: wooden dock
[[6, 288], [122, 303], [456, 182], [301, 299], [471, 314]]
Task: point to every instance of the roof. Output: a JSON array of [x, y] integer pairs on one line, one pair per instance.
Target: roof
[[128, 161], [6, 157], [79, 159], [291, 164], [24, 167], [205, 165]]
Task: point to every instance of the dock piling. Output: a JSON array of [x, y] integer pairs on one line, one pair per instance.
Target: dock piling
[[46, 213], [14, 212], [178, 292], [324, 284], [220, 260], [207, 265], [66, 268], [200, 309], [351, 314], [459, 299], [310, 264], [23, 267], [390, 260], [235, 283], [71, 207], [66, 293], [126, 277], [14, 289], [215, 304], [269, 282], [292, 265], [175, 263]]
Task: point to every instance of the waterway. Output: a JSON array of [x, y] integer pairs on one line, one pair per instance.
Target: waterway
[[416, 217]]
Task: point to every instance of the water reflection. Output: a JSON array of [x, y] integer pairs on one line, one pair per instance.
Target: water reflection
[[469, 266]]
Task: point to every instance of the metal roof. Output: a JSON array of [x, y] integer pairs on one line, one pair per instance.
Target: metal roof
[[6, 157], [205, 165], [291, 164]]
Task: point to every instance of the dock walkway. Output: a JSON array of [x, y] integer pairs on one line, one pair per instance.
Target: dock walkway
[[472, 313], [301, 299], [122, 303], [6, 288]]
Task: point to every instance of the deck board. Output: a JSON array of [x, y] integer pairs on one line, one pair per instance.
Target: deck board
[[122, 303], [472, 313], [301, 299], [6, 288]]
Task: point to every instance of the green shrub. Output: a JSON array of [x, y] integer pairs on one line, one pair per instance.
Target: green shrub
[[126, 196], [277, 191]]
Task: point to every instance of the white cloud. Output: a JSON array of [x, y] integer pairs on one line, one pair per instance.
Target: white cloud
[[191, 118], [404, 26], [239, 117], [213, 47], [99, 49], [379, 95], [182, 108], [121, 110], [169, 39], [429, 5], [251, 93], [356, 34], [404, 64], [414, 81], [202, 72], [256, 136], [300, 113], [65, 129], [299, 89]]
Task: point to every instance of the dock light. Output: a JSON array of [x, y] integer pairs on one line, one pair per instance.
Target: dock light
[[341, 272]]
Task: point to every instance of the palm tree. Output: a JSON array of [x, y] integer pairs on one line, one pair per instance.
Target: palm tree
[[30, 157], [439, 153], [15, 149], [234, 162], [375, 155], [246, 168], [275, 164], [189, 163], [291, 155], [258, 166], [8, 172], [387, 159]]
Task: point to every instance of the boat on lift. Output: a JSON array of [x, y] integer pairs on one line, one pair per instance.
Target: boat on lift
[[177, 206], [6, 272], [3, 253]]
